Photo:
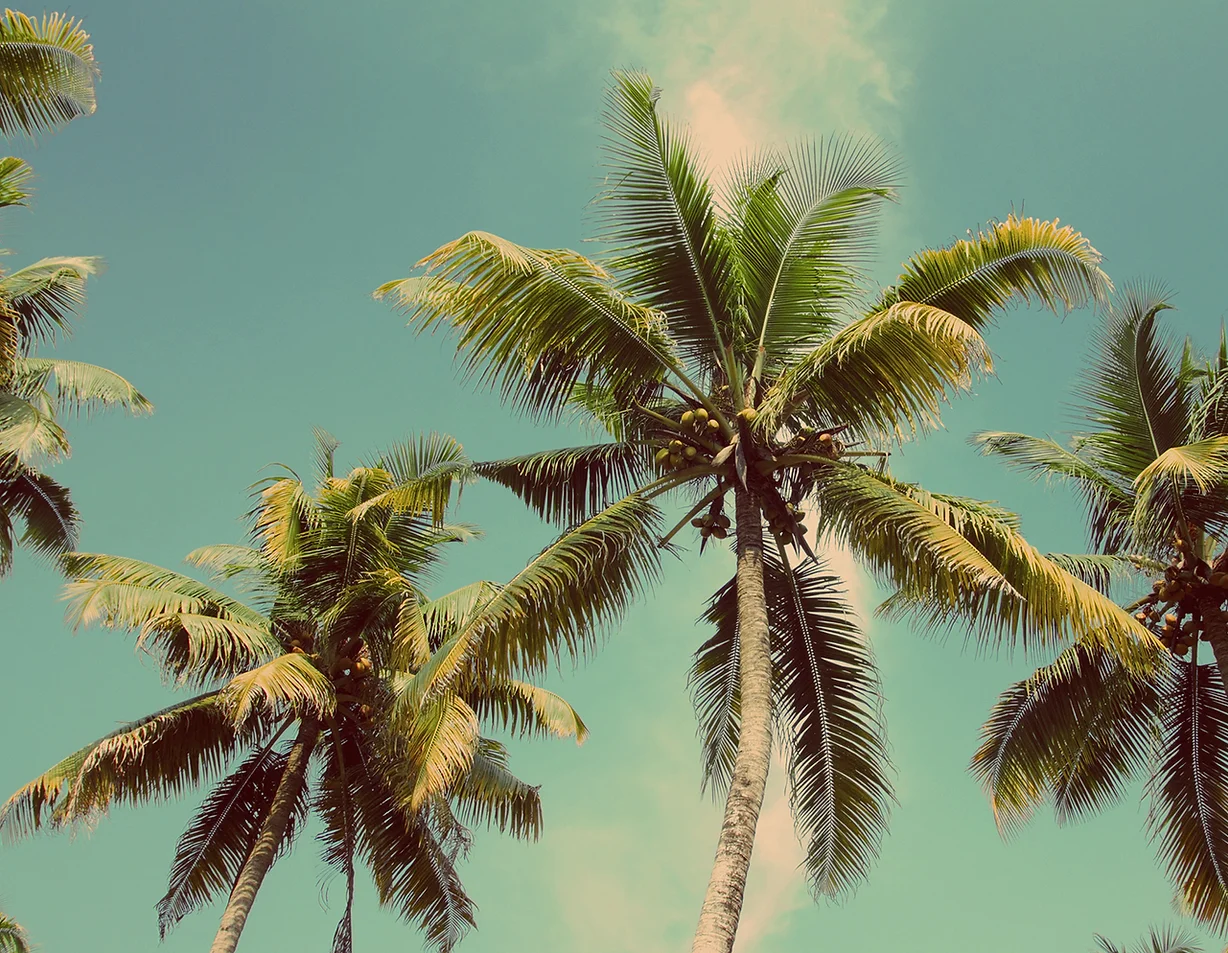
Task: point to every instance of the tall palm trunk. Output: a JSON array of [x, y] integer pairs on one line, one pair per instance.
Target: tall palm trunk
[[718, 921], [268, 840]]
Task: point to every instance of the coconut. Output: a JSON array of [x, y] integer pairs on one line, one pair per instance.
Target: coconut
[[825, 439], [690, 453], [714, 424], [675, 459], [701, 415], [687, 418], [748, 414]]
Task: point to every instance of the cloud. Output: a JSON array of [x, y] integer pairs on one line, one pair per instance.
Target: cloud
[[771, 71]]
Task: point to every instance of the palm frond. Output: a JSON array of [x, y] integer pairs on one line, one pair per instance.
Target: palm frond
[[1016, 259], [488, 793], [524, 708], [290, 683], [47, 72], [1077, 731], [1189, 790], [568, 486], [28, 433], [660, 215], [155, 758], [43, 298], [51, 520], [535, 323], [13, 938], [78, 388], [424, 473], [442, 744], [884, 375]]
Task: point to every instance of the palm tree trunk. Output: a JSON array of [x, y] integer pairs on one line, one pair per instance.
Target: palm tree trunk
[[268, 840], [718, 921]]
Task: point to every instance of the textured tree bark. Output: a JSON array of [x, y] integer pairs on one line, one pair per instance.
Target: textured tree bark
[[268, 840], [718, 921]]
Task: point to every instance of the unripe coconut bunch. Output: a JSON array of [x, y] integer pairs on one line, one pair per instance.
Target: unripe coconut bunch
[[1187, 603]]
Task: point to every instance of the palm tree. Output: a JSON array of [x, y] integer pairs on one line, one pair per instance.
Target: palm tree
[[1153, 475], [13, 938], [47, 72], [1158, 941], [326, 689], [725, 343], [37, 305]]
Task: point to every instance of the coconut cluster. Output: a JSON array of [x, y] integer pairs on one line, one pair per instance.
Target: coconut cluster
[[697, 440], [1187, 604], [347, 672]]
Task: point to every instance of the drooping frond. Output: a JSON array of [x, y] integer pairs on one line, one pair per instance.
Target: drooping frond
[[73, 387], [158, 757], [13, 938], [283, 515], [1107, 499], [220, 836], [805, 225], [558, 604], [1039, 604], [42, 505], [47, 72], [1016, 259], [1200, 467], [1077, 731], [43, 298], [29, 434], [1189, 791], [884, 375], [488, 793], [15, 176], [535, 322], [523, 709], [288, 684], [827, 706], [439, 747], [1098, 570], [716, 689], [659, 213], [200, 634], [568, 486]]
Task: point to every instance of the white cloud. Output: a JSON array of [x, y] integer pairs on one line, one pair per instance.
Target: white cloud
[[747, 73]]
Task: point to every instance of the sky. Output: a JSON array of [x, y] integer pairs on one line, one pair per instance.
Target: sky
[[255, 169]]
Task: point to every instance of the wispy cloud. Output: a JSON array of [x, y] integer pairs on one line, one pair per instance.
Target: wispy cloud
[[747, 73]]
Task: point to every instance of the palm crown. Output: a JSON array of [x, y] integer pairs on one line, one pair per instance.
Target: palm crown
[[334, 650], [47, 72], [1153, 475], [727, 345]]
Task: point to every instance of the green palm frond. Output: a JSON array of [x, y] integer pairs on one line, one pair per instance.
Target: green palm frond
[[1076, 732], [1189, 790], [441, 746], [489, 794], [51, 520], [1098, 570], [155, 758], [568, 486], [29, 434], [1108, 500], [1166, 940], [43, 298], [424, 473], [523, 708], [1039, 603], [287, 684], [200, 634], [885, 375], [1016, 259], [284, 514], [536, 322], [804, 225], [659, 214], [219, 837], [15, 177], [78, 388], [13, 938], [557, 605], [1203, 465], [47, 72]]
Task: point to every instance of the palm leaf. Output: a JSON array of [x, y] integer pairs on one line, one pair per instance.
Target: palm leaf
[[570, 485], [47, 72], [155, 758], [78, 387], [44, 506], [1077, 731], [28, 433], [424, 474], [287, 684], [42, 298], [659, 213], [13, 938], [488, 793], [523, 708], [1189, 790]]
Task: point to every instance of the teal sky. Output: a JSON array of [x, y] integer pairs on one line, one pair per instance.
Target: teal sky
[[255, 169]]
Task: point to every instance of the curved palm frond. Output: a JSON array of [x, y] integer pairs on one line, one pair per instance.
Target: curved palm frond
[[78, 388], [523, 708], [15, 176], [1189, 790], [1019, 258], [536, 322], [158, 757], [28, 433], [424, 473], [488, 793], [220, 836], [47, 72], [804, 225], [13, 938], [1077, 731], [287, 684], [885, 375], [43, 298], [568, 486], [51, 521], [659, 213], [201, 634]]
